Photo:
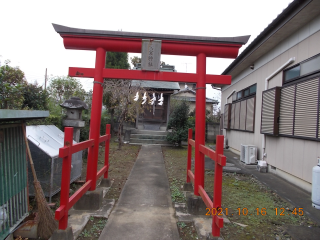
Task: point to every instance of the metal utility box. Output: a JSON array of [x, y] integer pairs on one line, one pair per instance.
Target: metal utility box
[[44, 142]]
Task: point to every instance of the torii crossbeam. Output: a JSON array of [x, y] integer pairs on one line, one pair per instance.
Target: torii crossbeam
[[118, 41]]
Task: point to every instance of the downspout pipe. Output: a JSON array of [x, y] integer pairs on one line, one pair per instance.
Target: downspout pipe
[[266, 83]]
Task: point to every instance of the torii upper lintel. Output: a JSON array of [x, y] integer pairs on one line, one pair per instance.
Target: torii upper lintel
[[118, 41]]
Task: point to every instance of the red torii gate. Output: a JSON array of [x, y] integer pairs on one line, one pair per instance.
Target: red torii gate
[[118, 41]]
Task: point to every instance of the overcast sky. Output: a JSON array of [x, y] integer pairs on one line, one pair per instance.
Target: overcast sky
[[28, 39]]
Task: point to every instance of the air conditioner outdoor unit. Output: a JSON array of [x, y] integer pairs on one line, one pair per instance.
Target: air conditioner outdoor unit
[[248, 154]]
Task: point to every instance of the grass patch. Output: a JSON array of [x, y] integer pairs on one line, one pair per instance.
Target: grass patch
[[247, 201], [93, 228], [187, 231]]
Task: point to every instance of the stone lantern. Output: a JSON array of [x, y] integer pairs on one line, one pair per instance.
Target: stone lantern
[[74, 108]]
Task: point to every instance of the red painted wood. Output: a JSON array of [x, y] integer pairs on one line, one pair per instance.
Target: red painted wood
[[191, 176], [218, 221], [65, 177], [95, 118], [173, 47], [207, 201], [64, 151], [102, 171], [200, 122], [60, 212], [192, 142], [208, 152], [104, 138], [220, 161], [78, 194], [150, 76], [217, 186], [182, 48]]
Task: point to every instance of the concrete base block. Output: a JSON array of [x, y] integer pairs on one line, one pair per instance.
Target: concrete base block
[[62, 234], [105, 182], [188, 187], [196, 205], [90, 200]]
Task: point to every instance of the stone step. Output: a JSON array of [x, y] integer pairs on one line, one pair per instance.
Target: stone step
[[148, 136], [147, 141], [166, 145], [148, 132]]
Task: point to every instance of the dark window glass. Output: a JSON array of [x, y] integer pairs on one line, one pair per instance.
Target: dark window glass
[[311, 66], [246, 92], [253, 89], [292, 73], [239, 95]]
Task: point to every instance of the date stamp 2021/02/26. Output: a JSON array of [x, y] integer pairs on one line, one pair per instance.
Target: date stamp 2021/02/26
[[257, 211]]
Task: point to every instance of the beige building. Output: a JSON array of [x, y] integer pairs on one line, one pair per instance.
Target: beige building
[[273, 101], [188, 92]]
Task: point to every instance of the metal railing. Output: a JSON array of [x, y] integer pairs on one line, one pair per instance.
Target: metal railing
[[220, 161], [66, 154]]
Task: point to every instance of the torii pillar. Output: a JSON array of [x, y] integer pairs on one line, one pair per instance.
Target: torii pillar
[[103, 41]]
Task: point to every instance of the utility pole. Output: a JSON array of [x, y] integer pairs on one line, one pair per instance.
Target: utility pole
[[45, 81], [186, 66]]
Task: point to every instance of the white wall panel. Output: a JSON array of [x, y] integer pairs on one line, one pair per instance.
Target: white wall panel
[[293, 156]]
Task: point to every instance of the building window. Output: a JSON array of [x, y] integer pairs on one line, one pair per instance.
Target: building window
[[239, 95], [294, 110], [239, 115], [246, 93], [253, 89], [303, 69], [299, 109]]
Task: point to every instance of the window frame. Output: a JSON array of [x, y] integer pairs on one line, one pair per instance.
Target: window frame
[[305, 78], [300, 76], [238, 117], [242, 93]]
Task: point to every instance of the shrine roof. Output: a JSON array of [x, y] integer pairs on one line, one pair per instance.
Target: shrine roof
[[191, 99], [63, 30]]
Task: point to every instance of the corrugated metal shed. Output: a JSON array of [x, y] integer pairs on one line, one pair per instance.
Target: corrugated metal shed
[[13, 178], [44, 142], [13, 168]]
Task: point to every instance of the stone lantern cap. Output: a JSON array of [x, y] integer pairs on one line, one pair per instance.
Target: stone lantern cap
[[74, 103]]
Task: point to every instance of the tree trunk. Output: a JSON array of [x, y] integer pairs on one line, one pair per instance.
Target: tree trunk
[[112, 121], [119, 135]]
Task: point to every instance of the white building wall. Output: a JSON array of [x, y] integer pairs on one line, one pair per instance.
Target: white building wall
[[291, 158]]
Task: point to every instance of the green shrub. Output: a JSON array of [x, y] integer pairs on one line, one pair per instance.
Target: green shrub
[[179, 124]]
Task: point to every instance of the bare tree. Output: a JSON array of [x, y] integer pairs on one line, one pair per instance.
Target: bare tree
[[120, 94]]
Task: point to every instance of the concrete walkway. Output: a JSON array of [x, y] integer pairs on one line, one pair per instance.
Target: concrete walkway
[[144, 209]]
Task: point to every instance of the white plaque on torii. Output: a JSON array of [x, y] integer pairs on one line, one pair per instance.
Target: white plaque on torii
[[150, 55]]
